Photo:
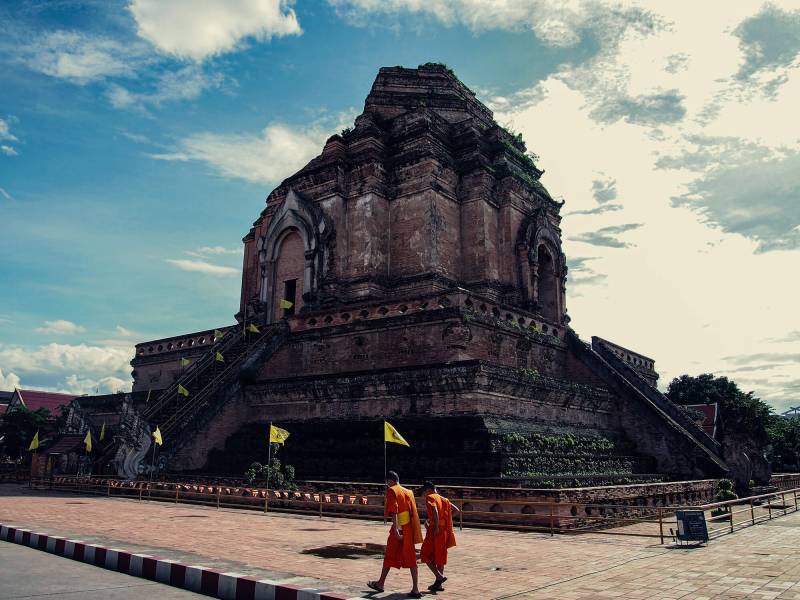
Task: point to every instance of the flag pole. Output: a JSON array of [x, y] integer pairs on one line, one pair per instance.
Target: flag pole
[[152, 458], [384, 450], [269, 453]]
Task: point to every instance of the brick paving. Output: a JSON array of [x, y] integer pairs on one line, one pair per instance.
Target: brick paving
[[761, 562]]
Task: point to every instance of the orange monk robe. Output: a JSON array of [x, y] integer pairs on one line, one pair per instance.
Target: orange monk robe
[[434, 548], [400, 553]]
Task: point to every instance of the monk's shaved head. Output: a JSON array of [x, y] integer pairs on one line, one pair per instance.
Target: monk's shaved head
[[428, 485], [393, 476]]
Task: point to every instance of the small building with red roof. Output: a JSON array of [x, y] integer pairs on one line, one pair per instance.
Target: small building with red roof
[[710, 417], [33, 400]]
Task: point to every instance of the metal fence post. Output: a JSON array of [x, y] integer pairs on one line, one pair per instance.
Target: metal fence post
[[661, 524], [752, 512], [177, 491], [783, 501], [266, 501], [769, 507], [551, 519], [108, 486], [218, 497], [730, 508]]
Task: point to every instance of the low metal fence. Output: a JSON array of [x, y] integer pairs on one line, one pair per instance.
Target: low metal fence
[[636, 520]]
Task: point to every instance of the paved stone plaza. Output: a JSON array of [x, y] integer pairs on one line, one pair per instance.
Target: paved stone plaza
[[760, 562]]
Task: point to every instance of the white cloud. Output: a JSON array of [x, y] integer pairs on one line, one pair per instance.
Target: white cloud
[[64, 359], [691, 291], [73, 384], [124, 332], [60, 326], [555, 23], [218, 250], [7, 136], [80, 58], [198, 29], [276, 153], [5, 131], [187, 83], [201, 266], [5, 194], [8, 383]]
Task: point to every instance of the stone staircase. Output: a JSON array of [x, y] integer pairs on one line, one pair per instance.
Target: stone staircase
[[603, 361], [206, 377]]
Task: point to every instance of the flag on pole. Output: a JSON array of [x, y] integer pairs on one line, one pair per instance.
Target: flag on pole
[[157, 437], [185, 362], [217, 334], [183, 391], [277, 435], [34, 442], [252, 328], [218, 357], [390, 434], [103, 432], [285, 304], [88, 441]]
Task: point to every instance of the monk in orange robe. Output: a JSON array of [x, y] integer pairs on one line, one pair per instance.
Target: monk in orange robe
[[404, 534], [439, 535]]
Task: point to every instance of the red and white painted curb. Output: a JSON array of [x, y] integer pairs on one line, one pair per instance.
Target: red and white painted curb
[[229, 586]]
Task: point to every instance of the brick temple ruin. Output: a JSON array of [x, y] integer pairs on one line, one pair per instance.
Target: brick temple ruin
[[423, 259]]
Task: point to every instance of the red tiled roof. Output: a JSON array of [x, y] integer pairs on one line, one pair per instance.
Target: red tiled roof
[[52, 401], [710, 413]]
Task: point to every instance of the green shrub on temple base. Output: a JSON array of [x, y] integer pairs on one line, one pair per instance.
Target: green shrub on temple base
[[276, 475]]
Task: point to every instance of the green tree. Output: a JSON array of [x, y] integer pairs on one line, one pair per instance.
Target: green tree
[[784, 439], [741, 414], [275, 475], [19, 426]]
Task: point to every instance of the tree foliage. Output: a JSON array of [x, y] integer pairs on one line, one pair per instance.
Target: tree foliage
[[271, 475], [784, 437], [742, 414], [19, 426]]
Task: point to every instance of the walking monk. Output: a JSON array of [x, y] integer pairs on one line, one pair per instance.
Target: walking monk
[[439, 536], [404, 534]]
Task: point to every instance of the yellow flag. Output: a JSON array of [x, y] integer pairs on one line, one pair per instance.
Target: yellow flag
[[34, 442], [218, 357], [183, 391], [217, 334], [277, 435], [252, 328], [390, 434], [103, 432], [157, 437], [185, 362], [285, 304], [88, 441]]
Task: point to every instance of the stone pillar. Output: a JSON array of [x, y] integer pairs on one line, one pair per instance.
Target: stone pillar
[[525, 272]]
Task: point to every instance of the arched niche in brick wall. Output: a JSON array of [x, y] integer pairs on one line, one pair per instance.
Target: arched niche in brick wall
[[541, 267], [294, 248]]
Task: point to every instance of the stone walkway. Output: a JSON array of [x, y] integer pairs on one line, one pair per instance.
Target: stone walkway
[[760, 562]]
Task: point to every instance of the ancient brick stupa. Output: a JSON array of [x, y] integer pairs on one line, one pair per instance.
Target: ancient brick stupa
[[422, 259]]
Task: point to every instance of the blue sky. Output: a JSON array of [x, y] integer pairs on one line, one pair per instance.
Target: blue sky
[[138, 140]]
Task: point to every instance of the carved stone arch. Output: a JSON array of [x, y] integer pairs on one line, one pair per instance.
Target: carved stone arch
[[296, 215], [537, 234]]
